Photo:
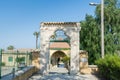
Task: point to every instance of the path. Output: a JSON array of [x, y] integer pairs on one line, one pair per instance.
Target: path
[[62, 74], [7, 70], [58, 70]]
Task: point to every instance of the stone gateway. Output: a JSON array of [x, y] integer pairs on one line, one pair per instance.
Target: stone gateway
[[71, 29]]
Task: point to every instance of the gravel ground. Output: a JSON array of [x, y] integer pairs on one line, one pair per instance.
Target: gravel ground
[[62, 74], [59, 76]]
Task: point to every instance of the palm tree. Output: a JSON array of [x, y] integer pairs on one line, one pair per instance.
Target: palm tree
[[10, 47], [36, 34]]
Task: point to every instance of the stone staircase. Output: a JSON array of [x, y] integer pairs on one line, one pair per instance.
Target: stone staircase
[[58, 70]]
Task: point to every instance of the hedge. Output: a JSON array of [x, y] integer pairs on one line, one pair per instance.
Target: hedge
[[109, 67]]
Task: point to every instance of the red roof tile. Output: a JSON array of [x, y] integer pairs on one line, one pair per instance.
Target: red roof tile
[[59, 45]]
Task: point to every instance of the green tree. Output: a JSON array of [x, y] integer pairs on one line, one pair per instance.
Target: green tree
[[112, 25], [36, 34], [20, 59], [10, 47], [90, 38], [90, 31]]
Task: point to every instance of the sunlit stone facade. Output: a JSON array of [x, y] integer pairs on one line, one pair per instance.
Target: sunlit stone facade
[[71, 29]]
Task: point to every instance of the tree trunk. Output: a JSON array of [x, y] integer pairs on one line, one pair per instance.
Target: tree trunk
[[36, 42]]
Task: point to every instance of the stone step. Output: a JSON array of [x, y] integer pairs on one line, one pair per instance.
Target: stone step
[[58, 70]]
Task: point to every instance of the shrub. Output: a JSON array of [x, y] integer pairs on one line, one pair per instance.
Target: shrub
[[20, 59], [66, 59], [3, 64], [109, 67]]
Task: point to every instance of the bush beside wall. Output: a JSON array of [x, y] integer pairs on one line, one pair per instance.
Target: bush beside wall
[[109, 67], [2, 64]]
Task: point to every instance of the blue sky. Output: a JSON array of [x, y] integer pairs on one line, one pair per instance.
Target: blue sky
[[20, 18]]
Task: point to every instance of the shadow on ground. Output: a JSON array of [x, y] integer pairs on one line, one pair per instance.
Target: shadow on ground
[[63, 76]]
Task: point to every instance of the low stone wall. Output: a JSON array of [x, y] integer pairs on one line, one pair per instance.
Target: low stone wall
[[91, 69], [36, 59], [25, 73]]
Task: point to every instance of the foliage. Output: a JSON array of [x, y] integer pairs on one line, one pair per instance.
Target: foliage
[[68, 41], [36, 34], [112, 25], [59, 48], [3, 49], [66, 59], [30, 56], [10, 47], [90, 38], [59, 36], [3, 64], [20, 59], [109, 67], [90, 34]]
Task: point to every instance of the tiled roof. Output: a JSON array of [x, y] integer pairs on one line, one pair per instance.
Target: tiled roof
[[60, 23], [59, 45], [24, 50]]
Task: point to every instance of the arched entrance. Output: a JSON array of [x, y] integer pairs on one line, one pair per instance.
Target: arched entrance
[[57, 58], [46, 31]]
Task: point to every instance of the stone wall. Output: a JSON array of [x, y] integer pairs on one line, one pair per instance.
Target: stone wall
[[36, 59], [92, 69], [85, 68], [25, 73], [83, 59]]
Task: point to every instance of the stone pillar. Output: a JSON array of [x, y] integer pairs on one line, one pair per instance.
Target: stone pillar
[[45, 34], [74, 57], [43, 53]]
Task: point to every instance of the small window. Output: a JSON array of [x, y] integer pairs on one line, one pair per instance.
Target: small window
[[10, 59], [84, 59]]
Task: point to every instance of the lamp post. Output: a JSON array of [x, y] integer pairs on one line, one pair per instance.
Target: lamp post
[[102, 26]]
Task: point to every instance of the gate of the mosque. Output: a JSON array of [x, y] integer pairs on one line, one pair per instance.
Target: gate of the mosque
[[47, 29]]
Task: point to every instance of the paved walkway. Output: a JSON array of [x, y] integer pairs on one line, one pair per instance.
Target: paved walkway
[[58, 70], [7, 70], [19, 72], [62, 74]]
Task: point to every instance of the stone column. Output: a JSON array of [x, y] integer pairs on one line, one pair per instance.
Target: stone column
[[44, 52], [74, 56], [43, 62]]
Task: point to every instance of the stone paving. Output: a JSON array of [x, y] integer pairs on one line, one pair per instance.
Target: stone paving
[[7, 73], [7, 70], [11, 75], [7, 77], [63, 77], [62, 74]]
